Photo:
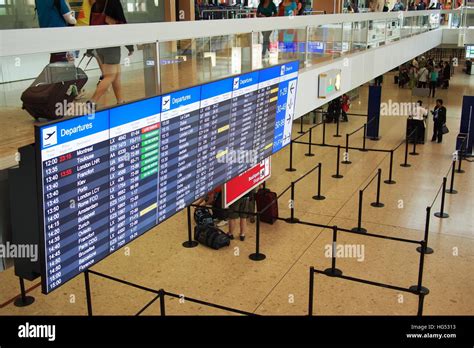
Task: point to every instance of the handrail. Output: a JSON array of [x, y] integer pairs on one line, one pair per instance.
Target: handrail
[[73, 38]]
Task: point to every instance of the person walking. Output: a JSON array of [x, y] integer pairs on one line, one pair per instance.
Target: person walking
[[109, 12], [439, 120], [266, 8], [55, 14], [446, 75], [433, 81]]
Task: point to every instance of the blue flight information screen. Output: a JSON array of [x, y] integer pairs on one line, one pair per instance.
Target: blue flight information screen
[[107, 178]]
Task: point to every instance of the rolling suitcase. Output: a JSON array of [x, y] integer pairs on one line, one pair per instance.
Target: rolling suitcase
[[57, 84], [266, 198]]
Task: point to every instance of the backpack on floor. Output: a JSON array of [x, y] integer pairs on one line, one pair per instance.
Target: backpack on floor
[[203, 217], [211, 236]]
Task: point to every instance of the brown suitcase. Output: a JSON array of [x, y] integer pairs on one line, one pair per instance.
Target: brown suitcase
[[57, 84]]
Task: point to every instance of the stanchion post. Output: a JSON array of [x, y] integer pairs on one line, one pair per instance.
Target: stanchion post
[[359, 227], [451, 189], [333, 271], [346, 154], [301, 126], [23, 300], [318, 196], [311, 291], [324, 132], [88, 292], [291, 169], [310, 154], [427, 250], [389, 180], [414, 153], [190, 243], [257, 256], [419, 288], [377, 203], [421, 300], [405, 164], [337, 175], [441, 214], [292, 219], [363, 139], [162, 302], [337, 135], [460, 157]]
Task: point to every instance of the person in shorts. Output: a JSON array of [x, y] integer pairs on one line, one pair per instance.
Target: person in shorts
[[238, 214]]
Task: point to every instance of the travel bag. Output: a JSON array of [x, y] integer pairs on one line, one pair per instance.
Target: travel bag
[[203, 216], [267, 200], [57, 85], [211, 236]]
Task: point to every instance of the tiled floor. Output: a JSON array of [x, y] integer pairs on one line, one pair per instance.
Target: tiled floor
[[279, 284]]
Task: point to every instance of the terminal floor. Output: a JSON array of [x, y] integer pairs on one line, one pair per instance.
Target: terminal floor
[[279, 284]]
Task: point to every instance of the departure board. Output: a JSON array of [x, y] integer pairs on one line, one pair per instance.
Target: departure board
[[107, 178]]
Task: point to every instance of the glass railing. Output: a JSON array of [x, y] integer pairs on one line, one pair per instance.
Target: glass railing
[[167, 64]]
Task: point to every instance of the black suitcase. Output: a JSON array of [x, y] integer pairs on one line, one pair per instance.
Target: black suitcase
[[267, 200], [56, 87]]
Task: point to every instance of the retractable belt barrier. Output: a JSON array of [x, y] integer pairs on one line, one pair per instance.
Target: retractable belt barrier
[[160, 294]]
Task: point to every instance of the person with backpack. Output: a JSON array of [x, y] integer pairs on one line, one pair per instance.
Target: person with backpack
[[55, 14], [109, 12]]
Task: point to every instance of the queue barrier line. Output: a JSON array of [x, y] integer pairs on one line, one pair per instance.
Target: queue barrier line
[[160, 295]]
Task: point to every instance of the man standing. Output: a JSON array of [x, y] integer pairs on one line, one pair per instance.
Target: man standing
[[439, 118], [398, 6]]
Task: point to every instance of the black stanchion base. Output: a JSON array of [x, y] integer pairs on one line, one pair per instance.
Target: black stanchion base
[[300, 132], [20, 302], [453, 192], [319, 197], [441, 216], [377, 205], [359, 230], [290, 169], [337, 176], [190, 244], [257, 257], [374, 138], [414, 153], [406, 165], [309, 154], [346, 162], [390, 182], [460, 171], [423, 290], [292, 221], [332, 272], [428, 250], [337, 136]]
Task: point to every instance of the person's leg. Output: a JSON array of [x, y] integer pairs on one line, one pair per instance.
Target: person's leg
[[117, 85], [109, 71], [243, 228], [232, 227], [440, 133], [435, 131]]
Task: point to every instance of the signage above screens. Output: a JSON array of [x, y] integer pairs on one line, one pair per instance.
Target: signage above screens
[[108, 178], [329, 83], [248, 180]]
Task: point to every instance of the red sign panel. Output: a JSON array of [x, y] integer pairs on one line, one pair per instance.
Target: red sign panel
[[248, 180]]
